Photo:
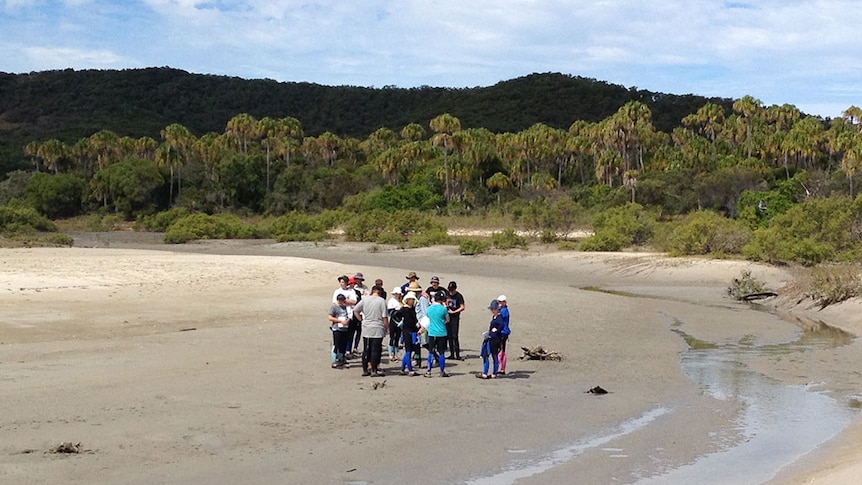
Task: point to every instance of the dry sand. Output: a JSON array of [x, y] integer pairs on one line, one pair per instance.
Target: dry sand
[[209, 363]]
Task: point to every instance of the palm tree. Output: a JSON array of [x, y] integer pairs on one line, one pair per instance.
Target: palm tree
[[750, 110], [180, 140], [498, 182], [444, 128]]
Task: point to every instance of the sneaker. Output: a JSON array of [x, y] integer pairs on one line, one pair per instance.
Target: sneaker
[[427, 374], [444, 374], [365, 373], [379, 373]]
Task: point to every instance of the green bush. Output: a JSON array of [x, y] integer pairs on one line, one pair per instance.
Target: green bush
[[707, 232], [55, 196], [508, 239], [430, 237], [294, 226], [59, 239], [605, 241], [809, 233], [160, 222], [619, 227], [23, 219], [472, 246], [368, 226], [204, 226], [568, 246]]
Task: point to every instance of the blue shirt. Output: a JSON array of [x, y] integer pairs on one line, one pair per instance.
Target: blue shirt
[[504, 313], [437, 314]]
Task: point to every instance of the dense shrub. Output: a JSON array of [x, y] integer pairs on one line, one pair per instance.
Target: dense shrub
[[430, 237], [58, 239], [160, 222], [508, 239], [297, 227], [203, 226], [707, 232], [368, 226], [393, 198], [23, 220], [472, 246], [620, 227], [812, 232]]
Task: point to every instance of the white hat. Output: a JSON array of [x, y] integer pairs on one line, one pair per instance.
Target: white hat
[[396, 290], [410, 296], [501, 298]]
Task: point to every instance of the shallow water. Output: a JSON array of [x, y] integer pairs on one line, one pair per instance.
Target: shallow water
[[778, 423]]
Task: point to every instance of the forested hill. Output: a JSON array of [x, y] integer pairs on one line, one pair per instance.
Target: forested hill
[[70, 104]]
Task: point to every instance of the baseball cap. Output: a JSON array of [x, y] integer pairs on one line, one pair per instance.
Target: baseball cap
[[502, 298], [494, 305], [340, 297]]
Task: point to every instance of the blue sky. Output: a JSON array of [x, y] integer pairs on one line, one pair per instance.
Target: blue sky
[[804, 53]]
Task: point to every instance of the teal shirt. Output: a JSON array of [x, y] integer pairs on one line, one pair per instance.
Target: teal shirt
[[437, 314]]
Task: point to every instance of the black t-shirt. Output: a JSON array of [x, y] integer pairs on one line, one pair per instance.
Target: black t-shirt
[[453, 303], [442, 291]]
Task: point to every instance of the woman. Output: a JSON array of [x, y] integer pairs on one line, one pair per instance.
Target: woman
[[393, 305], [492, 341], [410, 331]]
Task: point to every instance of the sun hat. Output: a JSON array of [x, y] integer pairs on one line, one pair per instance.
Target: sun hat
[[412, 274], [494, 305], [414, 287], [358, 276], [434, 278], [396, 290], [410, 296], [501, 298]]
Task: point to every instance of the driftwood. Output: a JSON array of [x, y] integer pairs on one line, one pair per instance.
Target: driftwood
[[539, 353], [759, 296], [66, 447], [596, 390]]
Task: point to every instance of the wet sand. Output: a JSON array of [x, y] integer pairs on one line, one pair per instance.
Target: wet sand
[[208, 363]]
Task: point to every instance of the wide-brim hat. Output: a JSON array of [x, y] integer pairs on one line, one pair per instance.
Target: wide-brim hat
[[358, 276], [412, 274], [414, 287]]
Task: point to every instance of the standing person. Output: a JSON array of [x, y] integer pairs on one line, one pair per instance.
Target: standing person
[[421, 308], [379, 282], [437, 318], [338, 323], [410, 331], [435, 288], [392, 306], [351, 298], [504, 313], [411, 278], [455, 303], [492, 341], [371, 311], [355, 331]]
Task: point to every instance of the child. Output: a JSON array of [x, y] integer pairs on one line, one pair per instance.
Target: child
[[492, 340], [504, 337]]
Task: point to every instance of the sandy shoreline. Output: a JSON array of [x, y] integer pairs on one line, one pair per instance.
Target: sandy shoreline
[[96, 346]]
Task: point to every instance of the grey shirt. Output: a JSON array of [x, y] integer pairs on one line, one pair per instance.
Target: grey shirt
[[374, 316]]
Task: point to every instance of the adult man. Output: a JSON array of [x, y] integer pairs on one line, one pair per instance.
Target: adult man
[[338, 322], [351, 298], [435, 288], [412, 279], [438, 315], [455, 304], [372, 312]]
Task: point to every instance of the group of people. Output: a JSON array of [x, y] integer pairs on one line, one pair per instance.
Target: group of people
[[413, 318]]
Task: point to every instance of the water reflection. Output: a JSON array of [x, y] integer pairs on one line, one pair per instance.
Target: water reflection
[[778, 423]]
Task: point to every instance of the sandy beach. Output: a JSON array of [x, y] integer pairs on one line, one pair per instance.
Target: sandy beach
[[209, 363]]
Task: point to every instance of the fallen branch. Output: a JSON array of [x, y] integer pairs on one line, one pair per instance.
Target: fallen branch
[[539, 353]]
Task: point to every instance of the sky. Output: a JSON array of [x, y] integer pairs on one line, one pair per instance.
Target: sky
[[801, 52]]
